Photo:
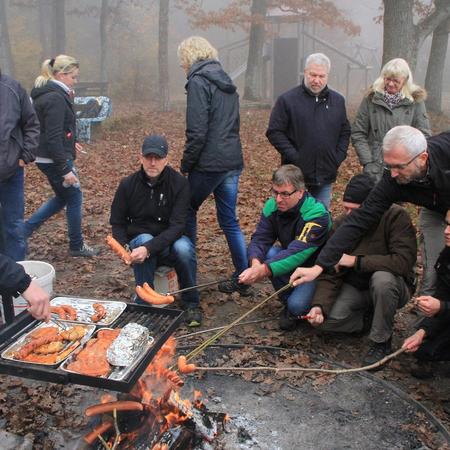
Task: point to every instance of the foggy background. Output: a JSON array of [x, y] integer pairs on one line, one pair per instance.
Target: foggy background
[[131, 30]]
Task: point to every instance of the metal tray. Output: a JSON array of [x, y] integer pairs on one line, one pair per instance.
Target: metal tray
[[8, 353], [117, 373], [85, 309]]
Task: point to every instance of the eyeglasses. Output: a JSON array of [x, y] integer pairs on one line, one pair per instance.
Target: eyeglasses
[[394, 81], [284, 195], [401, 166]]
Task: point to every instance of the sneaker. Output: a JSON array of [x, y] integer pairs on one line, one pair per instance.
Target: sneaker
[[422, 370], [377, 351], [86, 250], [287, 321], [193, 317], [230, 286]]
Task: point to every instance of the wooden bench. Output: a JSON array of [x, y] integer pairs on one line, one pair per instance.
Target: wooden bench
[[91, 88]]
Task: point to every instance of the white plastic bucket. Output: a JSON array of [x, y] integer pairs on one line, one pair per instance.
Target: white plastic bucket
[[41, 272]]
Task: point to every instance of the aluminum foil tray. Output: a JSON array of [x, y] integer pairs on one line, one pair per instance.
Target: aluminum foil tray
[[8, 353], [85, 309], [117, 373]]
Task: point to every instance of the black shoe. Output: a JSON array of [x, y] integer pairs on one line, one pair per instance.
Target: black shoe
[[193, 317], [423, 370], [86, 250], [230, 286], [446, 407], [377, 351], [287, 321]]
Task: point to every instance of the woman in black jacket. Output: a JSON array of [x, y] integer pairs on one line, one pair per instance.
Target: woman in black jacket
[[53, 100], [212, 155]]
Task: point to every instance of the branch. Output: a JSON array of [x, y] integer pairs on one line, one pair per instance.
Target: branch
[[429, 23]]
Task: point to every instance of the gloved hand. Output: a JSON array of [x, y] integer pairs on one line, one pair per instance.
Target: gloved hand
[[374, 170]]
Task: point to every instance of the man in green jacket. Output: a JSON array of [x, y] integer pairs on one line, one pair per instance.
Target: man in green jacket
[[374, 280]]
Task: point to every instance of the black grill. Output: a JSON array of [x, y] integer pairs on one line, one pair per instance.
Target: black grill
[[161, 322]]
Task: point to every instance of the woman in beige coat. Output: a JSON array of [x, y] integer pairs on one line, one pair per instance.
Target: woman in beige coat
[[392, 100]]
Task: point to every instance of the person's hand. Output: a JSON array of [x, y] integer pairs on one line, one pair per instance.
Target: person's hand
[[70, 179], [315, 316], [79, 147], [428, 305], [413, 342], [256, 272], [139, 255], [39, 301], [347, 261], [21, 163], [305, 274]]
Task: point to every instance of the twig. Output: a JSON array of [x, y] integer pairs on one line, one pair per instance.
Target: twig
[[267, 319], [305, 369]]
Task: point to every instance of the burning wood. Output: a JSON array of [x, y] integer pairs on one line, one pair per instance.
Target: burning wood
[[154, 414]]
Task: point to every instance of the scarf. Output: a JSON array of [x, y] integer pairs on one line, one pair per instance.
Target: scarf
[[392, 100]]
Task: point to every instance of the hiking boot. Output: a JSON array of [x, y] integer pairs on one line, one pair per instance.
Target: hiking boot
[[423, 370], [86, 250], [193, 317], [230, 286], [377, 351], [287, 321]]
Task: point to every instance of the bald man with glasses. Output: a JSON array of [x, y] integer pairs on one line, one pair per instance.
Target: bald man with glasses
[[292, 228], [418, 171]]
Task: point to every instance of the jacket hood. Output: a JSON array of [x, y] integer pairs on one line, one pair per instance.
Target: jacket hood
[[48, 87], [213, 72], [419, 95]]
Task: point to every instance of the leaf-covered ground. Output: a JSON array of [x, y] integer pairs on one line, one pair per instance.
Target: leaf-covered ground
[[113, 155]]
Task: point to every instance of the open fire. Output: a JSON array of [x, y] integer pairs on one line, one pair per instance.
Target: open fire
[[153, 415]]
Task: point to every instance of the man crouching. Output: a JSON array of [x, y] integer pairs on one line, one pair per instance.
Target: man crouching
[[148, 214]]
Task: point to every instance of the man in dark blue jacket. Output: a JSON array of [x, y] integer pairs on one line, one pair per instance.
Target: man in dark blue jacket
[[19, 139], [309, 128], [300, 224]]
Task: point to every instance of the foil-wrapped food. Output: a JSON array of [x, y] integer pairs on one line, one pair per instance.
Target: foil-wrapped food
[[132, 339]]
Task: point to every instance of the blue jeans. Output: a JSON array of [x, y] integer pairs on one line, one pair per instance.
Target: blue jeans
[[298, 300], [321, 193], [70, 197], [180, 255], [12, 202], [224, 185]]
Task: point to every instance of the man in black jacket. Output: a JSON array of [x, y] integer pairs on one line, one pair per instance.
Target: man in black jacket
[[417, 171], [14, 280], [19, 138], [149, 214], [309, 128]]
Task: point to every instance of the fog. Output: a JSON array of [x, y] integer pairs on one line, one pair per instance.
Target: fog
[[131, 55]]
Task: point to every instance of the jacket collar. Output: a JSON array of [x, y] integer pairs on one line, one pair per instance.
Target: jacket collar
[[323, 94], [146, 180]]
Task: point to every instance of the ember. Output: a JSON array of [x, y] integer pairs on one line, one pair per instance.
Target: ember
[[154, 416]]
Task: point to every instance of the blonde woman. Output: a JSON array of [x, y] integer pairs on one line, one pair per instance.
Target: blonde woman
[[53, 100], [212, 155], [392, 100]]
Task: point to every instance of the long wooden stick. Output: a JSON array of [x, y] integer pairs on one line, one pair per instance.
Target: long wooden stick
[[304, 369]]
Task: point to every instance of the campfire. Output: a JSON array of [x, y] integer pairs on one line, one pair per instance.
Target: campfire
[[153, 415]]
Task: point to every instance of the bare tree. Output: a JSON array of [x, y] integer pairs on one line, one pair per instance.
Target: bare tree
[[4, 39], [401, 37], [436, 64], [163, 55], [58, 27], [45, 13], [103, 40], [253, 75]]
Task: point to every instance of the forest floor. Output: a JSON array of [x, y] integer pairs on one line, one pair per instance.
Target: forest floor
[[113, 155]]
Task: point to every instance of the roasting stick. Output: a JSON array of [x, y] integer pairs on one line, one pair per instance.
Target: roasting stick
[[198, 286], [304, 369], [212, 339]]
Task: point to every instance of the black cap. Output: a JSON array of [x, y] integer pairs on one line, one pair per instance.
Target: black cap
[[155, 145], [358, 188]]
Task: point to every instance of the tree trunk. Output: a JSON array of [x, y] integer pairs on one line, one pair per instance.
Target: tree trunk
[[163, 55], [399, 36], [5, 42], [103, 41], [436, 65], [254, 74], [45, 14], [58, 25]]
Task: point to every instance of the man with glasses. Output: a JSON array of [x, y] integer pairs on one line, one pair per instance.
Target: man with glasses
[[300, 224], [417, 171], [308, 126]]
